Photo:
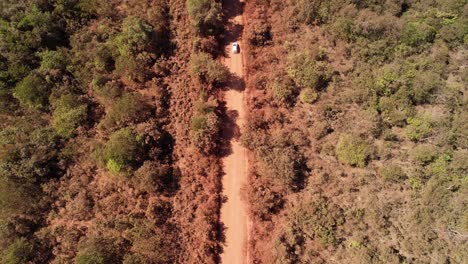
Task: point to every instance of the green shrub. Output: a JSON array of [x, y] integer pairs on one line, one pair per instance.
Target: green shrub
[[440, 166], [315, 220], [460, 161], [123, 151], [307, 72], [206, 15], [352, 150], [135, 45], [127, 109], [205, 132], [418, 128], [418, 33], [283, 91], [109, 90], [392, 173], [153, 177], [424, 85], [459, 130], [103, 60], [135, 37], [423, 153], [313, 12], [396, 109], [96, 251], [260, 34], [32, 91], [19, 252], [53, 60], [284, 166], [68, 115], [308, 96], [207, 69], [132, 67]]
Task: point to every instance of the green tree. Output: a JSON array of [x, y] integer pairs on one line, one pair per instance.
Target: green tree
[[206, 15], [418, 33], [313, 11], [352, 150], [307, 72], [136, 36], [392, 173], [308, 96], [123, 151], [418, 128], [284, 90], [127, 109], [205, 131], [97, 251], [208, 69], [135, 45], [52, 60], [19, 252], [68, 114], [32, 91]]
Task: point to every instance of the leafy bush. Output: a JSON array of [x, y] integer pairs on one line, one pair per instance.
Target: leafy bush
[[308, 96], [32, 91], [423, 153], [315, 219], [307, 72], [153, 177], [135, 45], [103, 60], [206, 15], [313, 12], [460, 161], [418, 128], [19, 252], [127, 109], [135, 37], [207, 69], [260, 34], [33, 159], [392, 173], [424, 85], [418, 33], [205, 131], [459, 130], [283, 90], [122, 152], [68, 115], [109, 90], [53, 60], [352, 150], [284, 166], [440, 166], [96, 251], [397, 108]]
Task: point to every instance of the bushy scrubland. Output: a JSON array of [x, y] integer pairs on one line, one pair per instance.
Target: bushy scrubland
[[97, 163], [357, 133]]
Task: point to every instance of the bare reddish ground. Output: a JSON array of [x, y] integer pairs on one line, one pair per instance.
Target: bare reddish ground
[[235, 163]]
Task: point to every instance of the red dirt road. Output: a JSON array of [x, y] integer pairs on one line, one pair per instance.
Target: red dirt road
[[233, 212]]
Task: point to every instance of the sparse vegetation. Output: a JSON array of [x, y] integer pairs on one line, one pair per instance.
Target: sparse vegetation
[[378, 124], [352, 150], [91, 90], [111, 121]]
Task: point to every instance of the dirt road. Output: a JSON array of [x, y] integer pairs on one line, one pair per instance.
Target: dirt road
[[233, 212]]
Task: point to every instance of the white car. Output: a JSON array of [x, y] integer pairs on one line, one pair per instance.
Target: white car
[[235, 48]]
